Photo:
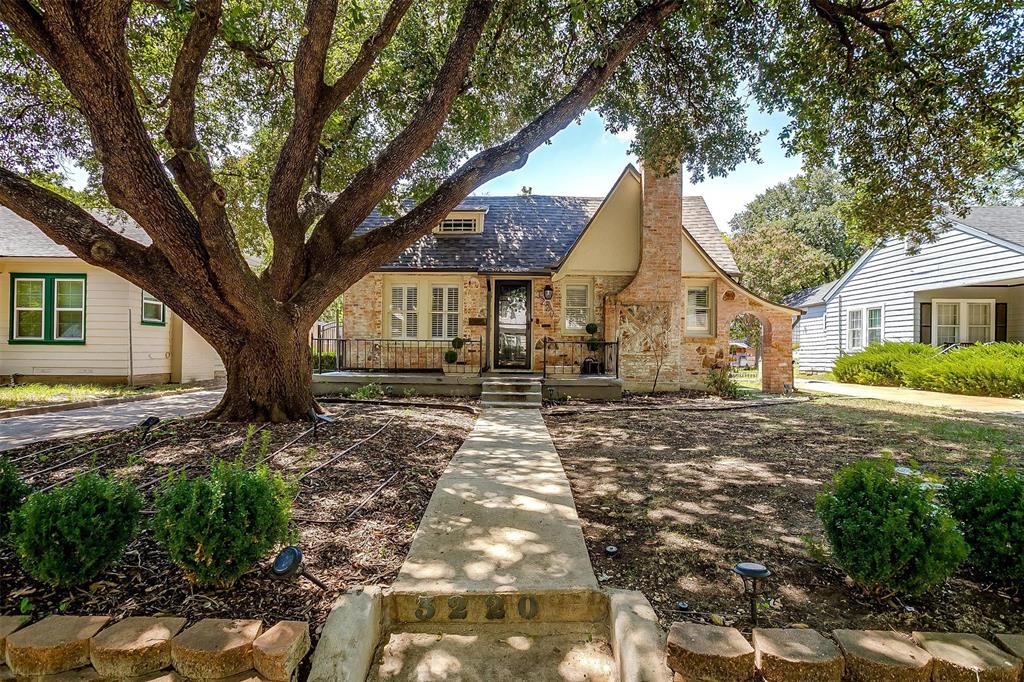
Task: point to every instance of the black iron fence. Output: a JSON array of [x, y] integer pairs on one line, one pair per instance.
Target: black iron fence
[[581, 358], [395, 355]]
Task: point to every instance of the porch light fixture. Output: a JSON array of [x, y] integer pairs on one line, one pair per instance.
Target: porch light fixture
[[288, 563], [754, 576], [549, 293]]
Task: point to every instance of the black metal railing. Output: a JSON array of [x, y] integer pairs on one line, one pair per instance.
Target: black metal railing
[[395, 355], [583, 358]]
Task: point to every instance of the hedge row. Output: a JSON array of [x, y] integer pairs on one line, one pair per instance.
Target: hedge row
[[995, 369]]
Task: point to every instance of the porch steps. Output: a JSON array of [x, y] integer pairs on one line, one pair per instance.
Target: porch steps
[[511, 392]]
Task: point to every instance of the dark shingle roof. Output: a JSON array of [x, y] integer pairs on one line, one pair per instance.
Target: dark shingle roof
[[1004, 222], [20, 238], [702, 227], [811, 296]]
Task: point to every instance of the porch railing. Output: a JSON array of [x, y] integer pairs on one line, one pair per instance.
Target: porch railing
[[395, 355], [580, 358]]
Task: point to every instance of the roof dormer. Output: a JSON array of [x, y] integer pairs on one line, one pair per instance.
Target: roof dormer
[[463, 221]]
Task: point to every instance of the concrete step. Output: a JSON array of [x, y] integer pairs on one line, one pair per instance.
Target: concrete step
[[517, 386], [490, 608], [510, 395], [510, 405]]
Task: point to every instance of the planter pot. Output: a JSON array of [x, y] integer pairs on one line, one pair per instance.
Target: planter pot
[[459, 368], [556, 370]]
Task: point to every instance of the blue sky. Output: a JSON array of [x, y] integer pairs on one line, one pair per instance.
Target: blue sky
[[585, 159]]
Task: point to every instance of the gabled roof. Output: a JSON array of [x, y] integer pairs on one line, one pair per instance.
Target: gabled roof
[[698, 221], [809, 297], [20, 238], [1004, 222]]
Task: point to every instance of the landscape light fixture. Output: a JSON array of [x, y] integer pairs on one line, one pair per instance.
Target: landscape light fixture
[[611, 550], [754, 576], [549, 293], [147, 424], [318, 419], [288, 563]]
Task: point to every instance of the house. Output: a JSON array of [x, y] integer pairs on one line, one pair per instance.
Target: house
[[69, 321], [520, 278], [966, 286]]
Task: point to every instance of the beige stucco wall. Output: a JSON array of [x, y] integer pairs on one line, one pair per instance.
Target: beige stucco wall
[[611, 243], [113, 308]]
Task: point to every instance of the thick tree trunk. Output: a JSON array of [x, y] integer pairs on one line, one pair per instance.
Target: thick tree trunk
[[269, 379]]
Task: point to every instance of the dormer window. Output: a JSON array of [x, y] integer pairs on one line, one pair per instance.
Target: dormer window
[[461, 222]]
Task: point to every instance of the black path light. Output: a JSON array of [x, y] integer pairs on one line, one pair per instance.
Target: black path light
[[147, 424], [317, 420], [755, 577], [288, 563]]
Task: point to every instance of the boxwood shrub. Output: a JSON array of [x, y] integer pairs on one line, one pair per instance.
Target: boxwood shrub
[[68, 535], [216, 527], [990, 509], [886, 531], [12, 494]]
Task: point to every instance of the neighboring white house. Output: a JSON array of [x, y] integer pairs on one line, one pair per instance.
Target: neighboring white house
[[967, 286], [70, 321]]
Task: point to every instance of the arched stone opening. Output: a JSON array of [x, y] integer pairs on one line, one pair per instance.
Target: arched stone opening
[[762, 346]]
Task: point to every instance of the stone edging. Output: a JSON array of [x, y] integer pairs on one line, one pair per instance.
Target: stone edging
[[96, 402], [709, 652], [141, 646]]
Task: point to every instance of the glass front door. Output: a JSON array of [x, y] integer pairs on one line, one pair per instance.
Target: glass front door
[[512, 325]]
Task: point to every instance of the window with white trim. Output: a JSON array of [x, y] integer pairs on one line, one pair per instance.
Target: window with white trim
[[153, 310], [29, 308], [979, 322], [874, 325], [469, 225], [947, 323], [698, 310], [444, 311], [404, 311], [69, 309], [576, 308], [855, 328]]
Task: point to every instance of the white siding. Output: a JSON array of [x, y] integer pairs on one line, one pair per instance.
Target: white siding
[[811, 328], [891, 278]]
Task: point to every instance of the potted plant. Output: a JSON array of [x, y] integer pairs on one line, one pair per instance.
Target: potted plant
[[593, 365], [452, 364]]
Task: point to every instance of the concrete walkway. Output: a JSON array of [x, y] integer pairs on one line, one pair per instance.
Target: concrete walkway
[[950, 401], [17, 432]]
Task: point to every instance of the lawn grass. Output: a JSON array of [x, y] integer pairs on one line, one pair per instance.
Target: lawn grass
[[30, 395]]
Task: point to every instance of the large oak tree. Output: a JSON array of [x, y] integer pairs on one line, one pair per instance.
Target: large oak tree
[[222, 126]]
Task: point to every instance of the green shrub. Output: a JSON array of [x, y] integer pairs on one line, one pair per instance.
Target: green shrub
[[12, 494], [990, 509], [458, 342], [719, 382], [326, 361], [996, 369], [886, 532], [67, 535], [370, 391], [216, 527], [451, 357], [880, 364]]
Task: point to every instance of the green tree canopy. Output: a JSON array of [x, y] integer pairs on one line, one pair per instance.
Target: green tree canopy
[[276, 126]]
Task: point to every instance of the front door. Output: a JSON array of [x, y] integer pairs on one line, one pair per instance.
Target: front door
[[512, 324]]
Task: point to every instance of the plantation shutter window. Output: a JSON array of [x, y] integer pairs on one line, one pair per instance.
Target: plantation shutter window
[[153, 310], [404, 319], [979, 322], [874, 325], [947, 323], [855, 328], [444, 311], [577, 307], [29, 304], [698, 309]]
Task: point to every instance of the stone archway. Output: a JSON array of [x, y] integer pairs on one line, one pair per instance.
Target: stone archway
[[770, 341]]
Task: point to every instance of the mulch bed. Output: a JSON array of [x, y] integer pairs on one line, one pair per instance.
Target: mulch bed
[[368, 549], [685, 496]]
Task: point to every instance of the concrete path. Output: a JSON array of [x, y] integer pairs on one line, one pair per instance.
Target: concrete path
[[501, 518], [20, 431], [967, 403]]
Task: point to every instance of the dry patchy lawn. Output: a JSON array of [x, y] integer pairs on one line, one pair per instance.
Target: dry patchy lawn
[[685, 495]]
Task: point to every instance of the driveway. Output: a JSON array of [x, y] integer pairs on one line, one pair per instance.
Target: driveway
[[950, 401], [20, 431]]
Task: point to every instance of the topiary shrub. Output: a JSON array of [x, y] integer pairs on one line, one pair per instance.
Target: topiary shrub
[[591, 328], [216, 527], [719, 382], [990, 509], [458, 342], [451, 357], [12, 494], [880, 364], [886, 532], [67, 535]]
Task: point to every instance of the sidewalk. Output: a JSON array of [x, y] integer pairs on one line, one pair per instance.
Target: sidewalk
[[950, 401], [16, 432]]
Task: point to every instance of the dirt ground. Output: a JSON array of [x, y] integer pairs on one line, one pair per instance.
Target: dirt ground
[[685, 495], [415, 446]]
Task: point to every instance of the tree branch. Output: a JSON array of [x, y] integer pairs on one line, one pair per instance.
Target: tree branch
[[28, 24], [326, 262]]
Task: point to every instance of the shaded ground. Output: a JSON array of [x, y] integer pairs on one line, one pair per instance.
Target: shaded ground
[[686, 495], [366, 550]]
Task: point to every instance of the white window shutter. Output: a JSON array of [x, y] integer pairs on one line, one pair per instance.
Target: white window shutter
[[397, 309]]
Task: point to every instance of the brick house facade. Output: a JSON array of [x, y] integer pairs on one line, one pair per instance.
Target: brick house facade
[[520, 277]]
